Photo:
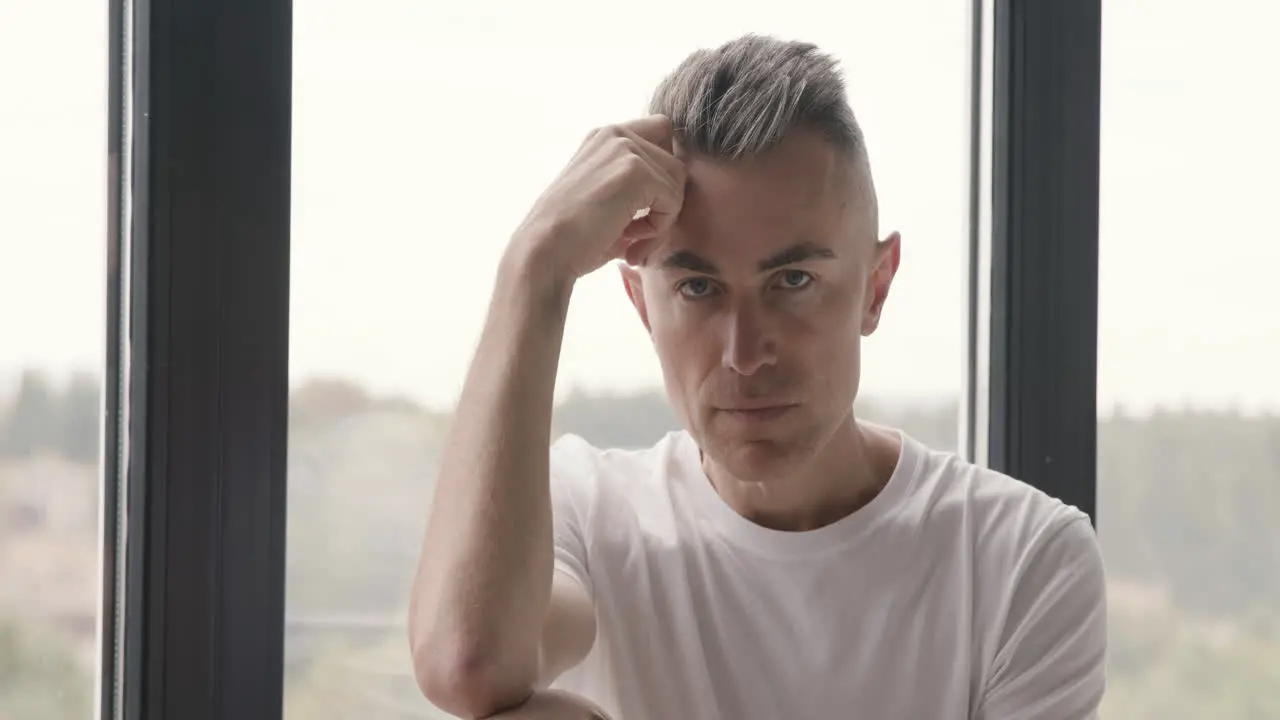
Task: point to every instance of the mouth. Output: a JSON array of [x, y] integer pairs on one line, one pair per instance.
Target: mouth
[[758, 412]]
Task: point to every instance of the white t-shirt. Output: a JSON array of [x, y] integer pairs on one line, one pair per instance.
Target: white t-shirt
[[957, 592]]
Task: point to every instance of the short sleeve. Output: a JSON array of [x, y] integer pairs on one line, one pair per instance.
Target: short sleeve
[[1051, 661], [573, 470]]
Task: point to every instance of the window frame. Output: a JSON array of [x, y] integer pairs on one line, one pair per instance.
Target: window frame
[[197, 364], [1042, 324], [197, 631]]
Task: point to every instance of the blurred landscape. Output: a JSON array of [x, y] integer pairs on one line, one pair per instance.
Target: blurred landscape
[[1188, 503]]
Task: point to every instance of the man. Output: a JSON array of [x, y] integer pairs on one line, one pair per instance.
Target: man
[[779, 558]]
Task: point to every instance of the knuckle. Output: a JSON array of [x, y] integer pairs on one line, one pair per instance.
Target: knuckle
[[603, 135], [634, 164], [624, 145]]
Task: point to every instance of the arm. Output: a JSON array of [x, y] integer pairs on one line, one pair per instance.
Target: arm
[[483, 596], [1052, 657], [489, 619]]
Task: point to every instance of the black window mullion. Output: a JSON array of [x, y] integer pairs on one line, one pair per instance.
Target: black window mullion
[[208, 375], [1044, 245]]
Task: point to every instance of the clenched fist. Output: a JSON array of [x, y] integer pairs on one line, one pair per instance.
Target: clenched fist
[[624, 187]]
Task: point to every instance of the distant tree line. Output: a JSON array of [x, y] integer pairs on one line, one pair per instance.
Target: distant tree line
[[41, 419], [1188, 500]]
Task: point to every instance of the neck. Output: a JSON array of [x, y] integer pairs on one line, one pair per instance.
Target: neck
[[846, 474]]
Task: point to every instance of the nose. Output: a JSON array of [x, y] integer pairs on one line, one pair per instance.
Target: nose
[[749, 345]]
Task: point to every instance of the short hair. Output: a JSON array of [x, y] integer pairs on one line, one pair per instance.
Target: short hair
[[744, 97]]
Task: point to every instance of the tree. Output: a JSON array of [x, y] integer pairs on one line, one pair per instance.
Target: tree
[[33, 420], [79, 416]]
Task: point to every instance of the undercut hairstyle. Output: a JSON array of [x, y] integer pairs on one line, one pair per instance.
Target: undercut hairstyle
[[744, 97]]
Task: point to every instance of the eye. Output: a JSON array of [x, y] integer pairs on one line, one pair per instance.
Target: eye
[[794, 279], [694, 288]]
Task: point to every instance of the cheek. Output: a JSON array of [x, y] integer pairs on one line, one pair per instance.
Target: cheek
[[831, 319], [823, 341], [678, 336]]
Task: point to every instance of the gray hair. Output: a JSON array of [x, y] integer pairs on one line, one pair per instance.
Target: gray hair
[[745, 96]]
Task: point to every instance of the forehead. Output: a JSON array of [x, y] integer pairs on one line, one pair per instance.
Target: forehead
[[801, 191]]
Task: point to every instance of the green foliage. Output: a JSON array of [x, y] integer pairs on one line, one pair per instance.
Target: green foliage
[[1167, 666], [33, 419], [42, 420], [1189, 502], [79, 419], [39, 680]]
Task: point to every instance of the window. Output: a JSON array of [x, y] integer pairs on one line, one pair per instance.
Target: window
[[1189, 345], [418, 148], [53, 230]]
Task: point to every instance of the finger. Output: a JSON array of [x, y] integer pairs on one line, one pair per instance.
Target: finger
[[658, 156], [657, 129], [666, 194], [637, 252], [654, 198], [644, 228]]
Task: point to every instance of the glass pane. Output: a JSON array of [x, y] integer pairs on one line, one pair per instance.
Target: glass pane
[[53, 231], [1189, 403], [417, 151]]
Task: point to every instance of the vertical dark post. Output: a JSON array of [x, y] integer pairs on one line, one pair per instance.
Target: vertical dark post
[[1044, 274], [209, 336]]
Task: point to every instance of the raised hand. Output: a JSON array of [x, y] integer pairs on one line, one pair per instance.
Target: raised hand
[[624, 186]]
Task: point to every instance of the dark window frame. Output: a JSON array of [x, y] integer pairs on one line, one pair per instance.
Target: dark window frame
[[201, 609], [1042, 424], [193, 604]]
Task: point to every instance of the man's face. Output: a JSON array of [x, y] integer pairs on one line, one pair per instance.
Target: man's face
[[758, 299]]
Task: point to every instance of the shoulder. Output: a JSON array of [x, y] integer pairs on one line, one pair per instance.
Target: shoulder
[[1006, 519], [1037, 576], [1016, 539]]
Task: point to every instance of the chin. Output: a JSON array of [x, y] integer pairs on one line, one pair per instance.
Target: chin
[[759, 459]]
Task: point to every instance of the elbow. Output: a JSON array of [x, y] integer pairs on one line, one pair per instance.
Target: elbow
[[465, 682]]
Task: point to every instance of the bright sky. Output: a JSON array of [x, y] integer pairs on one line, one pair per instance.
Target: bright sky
[[423, 131]]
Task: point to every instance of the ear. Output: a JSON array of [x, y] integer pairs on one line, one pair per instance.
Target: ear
[[884, 266], [634, 285]]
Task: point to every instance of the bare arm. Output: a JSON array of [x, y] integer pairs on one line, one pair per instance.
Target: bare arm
[[483, 592], [487, 622]]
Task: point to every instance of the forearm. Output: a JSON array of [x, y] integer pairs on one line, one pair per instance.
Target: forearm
[[484, 581]]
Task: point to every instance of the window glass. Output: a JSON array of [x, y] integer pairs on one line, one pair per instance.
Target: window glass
[[53, 232], [1189, 403], [422, 135]]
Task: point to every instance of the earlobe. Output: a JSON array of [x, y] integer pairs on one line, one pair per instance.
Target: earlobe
[[871, 320], [634, 285]]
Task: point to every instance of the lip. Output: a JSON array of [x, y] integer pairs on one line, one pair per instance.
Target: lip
[[758, 411]]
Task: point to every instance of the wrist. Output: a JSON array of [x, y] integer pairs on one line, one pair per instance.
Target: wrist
[[533, 272]]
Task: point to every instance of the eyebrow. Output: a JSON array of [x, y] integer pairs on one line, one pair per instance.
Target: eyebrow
[[796, 254], [693, 262]]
